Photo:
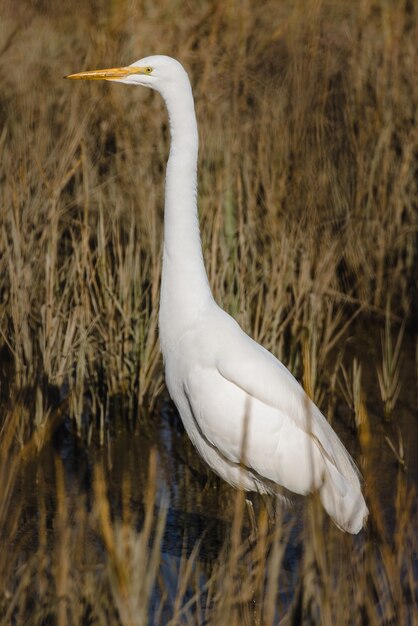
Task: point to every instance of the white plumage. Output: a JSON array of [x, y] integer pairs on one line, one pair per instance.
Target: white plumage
[[246, 414]]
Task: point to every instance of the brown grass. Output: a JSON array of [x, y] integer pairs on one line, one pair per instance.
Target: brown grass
[[307, 196], [65, 560]]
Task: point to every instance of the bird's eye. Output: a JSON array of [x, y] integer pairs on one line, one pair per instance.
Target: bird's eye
[[148, 70]]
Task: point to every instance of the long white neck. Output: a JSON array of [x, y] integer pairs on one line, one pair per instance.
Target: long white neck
[[184, 287]]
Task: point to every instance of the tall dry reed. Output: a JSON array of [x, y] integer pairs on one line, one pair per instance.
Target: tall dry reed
[[307, 198]]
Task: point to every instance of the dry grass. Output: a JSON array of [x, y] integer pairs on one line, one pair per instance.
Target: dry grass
[[98, 557], [308, 187]]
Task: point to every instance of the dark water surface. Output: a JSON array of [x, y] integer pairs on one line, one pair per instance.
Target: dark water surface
[[199, 507]]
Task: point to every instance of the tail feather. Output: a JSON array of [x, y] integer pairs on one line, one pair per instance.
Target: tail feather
[[342, 499]]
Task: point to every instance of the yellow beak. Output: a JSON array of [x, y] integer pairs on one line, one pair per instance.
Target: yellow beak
[[109, 74]]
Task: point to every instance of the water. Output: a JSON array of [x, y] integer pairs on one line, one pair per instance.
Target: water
[[199, 507]]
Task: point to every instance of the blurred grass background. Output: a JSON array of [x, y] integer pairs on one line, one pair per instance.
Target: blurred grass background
[[308, 205]]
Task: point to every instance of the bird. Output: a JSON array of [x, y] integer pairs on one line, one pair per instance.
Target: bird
[[245, 413]]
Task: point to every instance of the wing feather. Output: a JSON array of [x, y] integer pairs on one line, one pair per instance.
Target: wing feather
[[234, 387], [259, 374]]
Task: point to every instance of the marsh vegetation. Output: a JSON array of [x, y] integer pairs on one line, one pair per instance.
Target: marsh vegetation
[[308, 206]]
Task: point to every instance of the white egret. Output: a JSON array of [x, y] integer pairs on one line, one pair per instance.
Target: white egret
[[245, 413]]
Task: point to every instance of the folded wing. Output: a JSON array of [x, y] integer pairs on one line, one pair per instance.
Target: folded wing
[[252, 410]]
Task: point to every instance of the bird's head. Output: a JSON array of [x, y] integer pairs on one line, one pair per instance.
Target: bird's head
[[157, 72]]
